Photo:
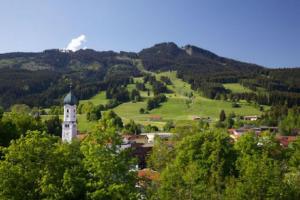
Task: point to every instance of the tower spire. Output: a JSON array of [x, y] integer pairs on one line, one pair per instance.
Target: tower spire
[[69, 125]]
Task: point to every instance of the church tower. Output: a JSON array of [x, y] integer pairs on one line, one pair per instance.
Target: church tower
[[69, 126]]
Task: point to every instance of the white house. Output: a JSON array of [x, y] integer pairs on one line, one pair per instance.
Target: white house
[[151, 136], [251, 117]]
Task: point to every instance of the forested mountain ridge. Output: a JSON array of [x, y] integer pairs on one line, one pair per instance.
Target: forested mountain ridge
[[206, 72], [41, 79], [170, 56], [195, 64]]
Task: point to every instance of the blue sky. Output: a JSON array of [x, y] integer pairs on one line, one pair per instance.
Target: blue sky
[[265, 32]]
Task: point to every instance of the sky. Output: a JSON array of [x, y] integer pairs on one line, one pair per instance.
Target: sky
[[265, 32]]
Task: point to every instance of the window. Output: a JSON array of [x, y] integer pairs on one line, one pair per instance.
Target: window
[[67, 110], [67, 126]]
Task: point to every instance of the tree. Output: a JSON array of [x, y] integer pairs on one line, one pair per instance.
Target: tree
[[37, 166], [142, 110], [169, 125], [57, 110], [118, 93], [290, 122], [151, 104], [112, 103], [35, 112], [85, 107], [25, 122], [158, 88], [155, 101], [1, 112], [230, 120], [135, 95], [161, 155], [20, 108], [260, 171], [54, 126], [166, 80], [109, 169], [140, 86], [150, 128], [235, 105], [132, 128], [110, 120], [8, 132], [222, 116], [203, 124], [201, 166], [260, 178], [95, 113], [292, 177]]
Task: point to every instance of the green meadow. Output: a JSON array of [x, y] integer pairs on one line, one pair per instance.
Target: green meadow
[[176, 108], [236, 88]]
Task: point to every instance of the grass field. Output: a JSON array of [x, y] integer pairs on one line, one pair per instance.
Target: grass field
[[176, 108], [97, 99], [236, 88]]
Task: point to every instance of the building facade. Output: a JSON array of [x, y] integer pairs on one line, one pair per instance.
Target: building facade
[[69, 125]]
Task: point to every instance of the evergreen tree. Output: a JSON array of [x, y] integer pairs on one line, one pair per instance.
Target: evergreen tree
[[95, 113], [132, 128], [54, 126], [222, 116], [1, 112]]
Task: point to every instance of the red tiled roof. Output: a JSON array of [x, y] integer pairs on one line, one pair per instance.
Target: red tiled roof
[[286, 140], [81, 136], [149, 174], [155, 117]]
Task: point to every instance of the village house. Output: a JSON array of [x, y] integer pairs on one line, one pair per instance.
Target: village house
[[285, 140], [235, 134], [155, 118], [251, 118], [151, 136]]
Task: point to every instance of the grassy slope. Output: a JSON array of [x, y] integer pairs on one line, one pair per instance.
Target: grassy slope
[[176, 109], [97, 99], [236, 88]]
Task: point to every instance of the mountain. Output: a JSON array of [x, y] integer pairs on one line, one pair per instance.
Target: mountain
[[191, 60], [41, 79]]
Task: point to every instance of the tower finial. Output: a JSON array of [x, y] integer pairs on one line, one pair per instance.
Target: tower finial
[[70, 86]]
